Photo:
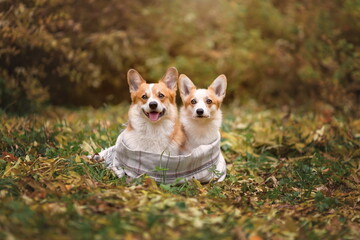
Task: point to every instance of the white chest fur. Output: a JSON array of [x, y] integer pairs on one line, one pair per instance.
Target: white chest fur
[[150, 137]]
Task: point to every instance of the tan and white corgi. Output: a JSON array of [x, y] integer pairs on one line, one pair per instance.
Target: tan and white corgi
[[153, 124], [200, 114]]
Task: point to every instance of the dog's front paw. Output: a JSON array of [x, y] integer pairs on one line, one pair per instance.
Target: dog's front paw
[[95, 157]]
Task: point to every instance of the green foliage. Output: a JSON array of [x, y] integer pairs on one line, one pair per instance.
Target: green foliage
[[290, 176], [277, 52], [215, 191], [187, 188], [325, 203]]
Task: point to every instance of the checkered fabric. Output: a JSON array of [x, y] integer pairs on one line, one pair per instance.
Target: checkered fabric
[[205, 163]]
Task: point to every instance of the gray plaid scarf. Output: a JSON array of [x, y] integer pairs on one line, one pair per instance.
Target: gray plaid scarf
[[204, 163]]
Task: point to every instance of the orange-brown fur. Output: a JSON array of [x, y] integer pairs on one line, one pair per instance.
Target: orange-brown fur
[[178, 135], [169, 95], [215, 100]]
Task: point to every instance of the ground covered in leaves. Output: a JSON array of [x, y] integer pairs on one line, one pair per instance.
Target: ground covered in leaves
[[290, 176]]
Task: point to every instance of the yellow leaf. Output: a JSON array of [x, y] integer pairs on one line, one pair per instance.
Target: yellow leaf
[[77, 159], [12, 170]]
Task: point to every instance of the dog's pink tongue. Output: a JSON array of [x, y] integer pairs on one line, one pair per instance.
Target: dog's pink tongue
[[154, 116]]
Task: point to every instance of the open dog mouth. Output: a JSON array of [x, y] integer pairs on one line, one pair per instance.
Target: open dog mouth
[[154, 116]]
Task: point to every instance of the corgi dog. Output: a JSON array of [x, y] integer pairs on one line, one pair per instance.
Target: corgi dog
[[200, 114], [153, 124]]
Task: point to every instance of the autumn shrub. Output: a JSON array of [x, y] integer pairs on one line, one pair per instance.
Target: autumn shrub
[[59, 52], [277, 52]]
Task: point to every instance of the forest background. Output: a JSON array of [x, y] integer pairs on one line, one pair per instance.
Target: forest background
[[280, 53]]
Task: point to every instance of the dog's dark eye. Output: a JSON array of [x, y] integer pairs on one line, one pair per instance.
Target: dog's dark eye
[[208, 101], [161, 95], [193, 101], [144, 97]]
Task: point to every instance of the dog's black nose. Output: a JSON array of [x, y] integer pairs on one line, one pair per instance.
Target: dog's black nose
[[153, 105], [200, 111]]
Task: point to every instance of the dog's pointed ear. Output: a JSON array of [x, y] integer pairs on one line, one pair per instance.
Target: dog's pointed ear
[[185, 86], [134, 79], [170, 78], [219, 86]]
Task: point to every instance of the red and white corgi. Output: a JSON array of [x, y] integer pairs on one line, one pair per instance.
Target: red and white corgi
[[200, 114], [153, 117]]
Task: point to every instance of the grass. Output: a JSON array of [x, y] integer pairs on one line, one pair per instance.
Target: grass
[[290, 176]]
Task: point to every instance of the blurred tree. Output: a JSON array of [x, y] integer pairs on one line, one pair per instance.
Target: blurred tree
[[76, 52]]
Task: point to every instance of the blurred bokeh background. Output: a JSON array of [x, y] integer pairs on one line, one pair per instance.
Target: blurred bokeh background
[[276, 52]]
